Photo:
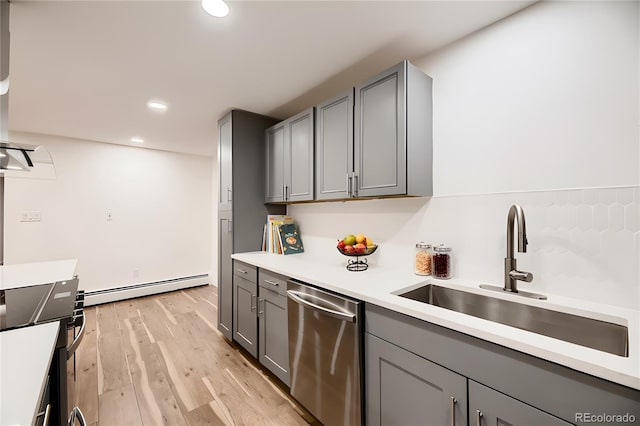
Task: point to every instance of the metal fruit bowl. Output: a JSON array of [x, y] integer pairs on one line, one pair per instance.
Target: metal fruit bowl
[[367, 251]]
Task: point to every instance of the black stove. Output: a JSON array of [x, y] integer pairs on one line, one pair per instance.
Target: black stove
[[24, 306], [37, 304]]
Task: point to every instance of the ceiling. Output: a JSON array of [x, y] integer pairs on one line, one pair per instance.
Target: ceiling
[[86, 69]]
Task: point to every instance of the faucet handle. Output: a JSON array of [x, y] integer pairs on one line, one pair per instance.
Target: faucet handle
[[521, 275]]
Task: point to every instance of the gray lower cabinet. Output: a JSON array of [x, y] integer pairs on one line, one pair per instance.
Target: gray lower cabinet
[[225, 274], [405, 389], [273, 346], [240, 199], [245, 305], [414, 367], [245, 331], [289, 172], [489, 407]]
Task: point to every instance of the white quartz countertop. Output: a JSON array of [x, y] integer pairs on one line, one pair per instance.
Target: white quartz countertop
[[380, 285], [25, 356]]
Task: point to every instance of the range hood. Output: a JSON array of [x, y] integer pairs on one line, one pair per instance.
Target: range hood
[[25, 161]]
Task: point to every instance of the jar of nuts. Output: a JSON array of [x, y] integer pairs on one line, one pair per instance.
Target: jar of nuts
[[422, 259]]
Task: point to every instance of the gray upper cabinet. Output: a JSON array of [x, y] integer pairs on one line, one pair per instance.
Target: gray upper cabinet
[[241, 210], [225, 192], [334, 147], [393, 134], [289, 159], [376, 140], [275, 168]]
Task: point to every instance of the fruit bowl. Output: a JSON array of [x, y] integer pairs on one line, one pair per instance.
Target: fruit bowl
[[366, 252], [358, 264]]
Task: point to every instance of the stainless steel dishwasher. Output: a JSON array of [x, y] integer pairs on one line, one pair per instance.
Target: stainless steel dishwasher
[[325, 356]]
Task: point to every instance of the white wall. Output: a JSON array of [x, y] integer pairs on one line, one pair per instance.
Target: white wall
[[557, 85], [160, 202], [545, 99]]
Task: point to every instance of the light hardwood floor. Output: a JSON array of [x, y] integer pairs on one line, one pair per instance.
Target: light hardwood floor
[[160, 360]]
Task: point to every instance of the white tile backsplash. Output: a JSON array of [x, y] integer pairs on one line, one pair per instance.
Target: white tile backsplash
[[582, 243]]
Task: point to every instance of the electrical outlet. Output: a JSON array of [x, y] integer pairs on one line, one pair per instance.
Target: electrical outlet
[[31, 216], [109, 216]]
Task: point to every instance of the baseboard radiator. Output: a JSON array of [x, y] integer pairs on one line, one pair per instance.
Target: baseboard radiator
[[115, 294]]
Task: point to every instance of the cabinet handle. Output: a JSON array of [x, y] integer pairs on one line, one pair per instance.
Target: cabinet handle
[[242, 271], [355, 185], [453, 411], [261, 311], [478, 418], [286, 192], [253, 305], [349, 185], [272, 283], [229, 195]]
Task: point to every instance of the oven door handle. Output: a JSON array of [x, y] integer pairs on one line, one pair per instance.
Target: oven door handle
[[76, 414], [71, 349]]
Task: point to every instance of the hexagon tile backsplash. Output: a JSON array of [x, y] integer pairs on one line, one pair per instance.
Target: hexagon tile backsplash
[[589, 242], [583, 243]]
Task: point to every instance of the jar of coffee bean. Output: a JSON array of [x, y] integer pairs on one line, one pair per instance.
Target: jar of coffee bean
[[442, 262]]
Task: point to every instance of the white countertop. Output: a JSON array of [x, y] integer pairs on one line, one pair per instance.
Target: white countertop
[[25, 356], [379, 285]]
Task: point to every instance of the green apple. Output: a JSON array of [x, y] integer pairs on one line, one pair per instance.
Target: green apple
[[349, 240]]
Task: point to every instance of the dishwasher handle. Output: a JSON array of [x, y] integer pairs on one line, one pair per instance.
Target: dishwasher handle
[[299, 298]]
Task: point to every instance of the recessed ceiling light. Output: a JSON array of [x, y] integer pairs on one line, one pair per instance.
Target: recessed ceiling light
[[137, 139], [217, 8], [156, 105]]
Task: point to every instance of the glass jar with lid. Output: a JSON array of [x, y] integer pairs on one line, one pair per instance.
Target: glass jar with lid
[[422, 259], [442, 262]]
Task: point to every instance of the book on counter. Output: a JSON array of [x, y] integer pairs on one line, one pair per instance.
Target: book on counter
[[280, 235], [290, 239]]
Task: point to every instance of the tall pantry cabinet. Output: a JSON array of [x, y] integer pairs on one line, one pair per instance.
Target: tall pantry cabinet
[[241, 209]]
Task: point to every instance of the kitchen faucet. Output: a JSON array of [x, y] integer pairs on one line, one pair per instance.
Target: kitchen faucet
[[511, 273]]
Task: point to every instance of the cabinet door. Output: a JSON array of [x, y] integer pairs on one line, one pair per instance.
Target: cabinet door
[[298, 157], [245, 320], [380, 134], [275, 165], [334, 147], [274, 335], [225, 273], [489, 407], [225, 190], [405, 389]]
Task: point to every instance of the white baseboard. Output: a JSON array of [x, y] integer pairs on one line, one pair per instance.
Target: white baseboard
[[138, 290]]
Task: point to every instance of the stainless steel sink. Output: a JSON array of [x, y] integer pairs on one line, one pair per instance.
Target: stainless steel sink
[[592, 333]]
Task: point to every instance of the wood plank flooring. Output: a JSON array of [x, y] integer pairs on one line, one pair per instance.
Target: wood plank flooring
[[160, 360]]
